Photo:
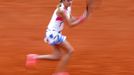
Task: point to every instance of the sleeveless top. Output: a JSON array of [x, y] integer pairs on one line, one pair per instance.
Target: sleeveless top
[[57, 23]]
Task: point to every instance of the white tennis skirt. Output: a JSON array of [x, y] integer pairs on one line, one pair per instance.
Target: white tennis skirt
[[54, 37]]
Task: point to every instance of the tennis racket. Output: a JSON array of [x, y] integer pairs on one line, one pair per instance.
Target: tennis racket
[[92, 5]]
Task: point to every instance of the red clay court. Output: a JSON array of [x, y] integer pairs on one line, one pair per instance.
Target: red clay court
[[104, 44]]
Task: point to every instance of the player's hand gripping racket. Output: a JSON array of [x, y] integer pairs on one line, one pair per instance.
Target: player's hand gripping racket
[[91, 5], [87, 11]]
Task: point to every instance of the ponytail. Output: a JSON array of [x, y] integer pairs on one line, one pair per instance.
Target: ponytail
[[59, 5], [61, 1]]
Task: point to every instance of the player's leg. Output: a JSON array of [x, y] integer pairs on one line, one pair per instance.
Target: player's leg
[[65, 58], [32, 58], [54, 56]]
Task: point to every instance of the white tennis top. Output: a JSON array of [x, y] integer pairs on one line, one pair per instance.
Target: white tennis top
[[56, 23]]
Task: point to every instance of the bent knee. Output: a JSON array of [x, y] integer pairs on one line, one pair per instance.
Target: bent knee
[[56, 57], [70, 51]]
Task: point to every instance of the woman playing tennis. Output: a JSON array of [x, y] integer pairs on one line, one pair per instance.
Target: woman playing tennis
[[56, 39]]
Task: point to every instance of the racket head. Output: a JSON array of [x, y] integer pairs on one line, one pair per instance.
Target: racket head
[[92, 5]]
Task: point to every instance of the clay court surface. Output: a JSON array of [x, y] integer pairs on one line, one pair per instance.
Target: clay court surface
[[104, 44]]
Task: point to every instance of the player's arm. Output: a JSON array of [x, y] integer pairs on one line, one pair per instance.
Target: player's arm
[[78, 20], [72, 21]]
